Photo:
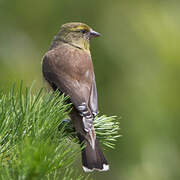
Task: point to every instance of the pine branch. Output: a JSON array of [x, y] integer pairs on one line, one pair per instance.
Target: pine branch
[[31, 144]]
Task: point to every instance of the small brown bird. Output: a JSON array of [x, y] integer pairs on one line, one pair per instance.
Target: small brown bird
[[68, 67]]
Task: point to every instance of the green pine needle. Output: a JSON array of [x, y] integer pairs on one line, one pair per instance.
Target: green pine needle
[[35, 143]]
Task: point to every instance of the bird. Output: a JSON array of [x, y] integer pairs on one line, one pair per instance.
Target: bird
[[68, 68]]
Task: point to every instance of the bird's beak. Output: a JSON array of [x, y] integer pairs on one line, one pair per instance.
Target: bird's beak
[[94, 34]]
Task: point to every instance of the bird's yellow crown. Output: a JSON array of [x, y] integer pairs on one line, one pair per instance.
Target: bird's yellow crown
[[76, 26]]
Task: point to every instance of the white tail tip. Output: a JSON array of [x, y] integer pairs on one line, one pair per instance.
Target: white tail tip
[[105, 168]]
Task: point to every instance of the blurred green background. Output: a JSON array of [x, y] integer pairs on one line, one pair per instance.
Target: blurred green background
[[137, 67]]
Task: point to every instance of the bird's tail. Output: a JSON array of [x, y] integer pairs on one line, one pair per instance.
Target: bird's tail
[[93, 158], [92, 155]]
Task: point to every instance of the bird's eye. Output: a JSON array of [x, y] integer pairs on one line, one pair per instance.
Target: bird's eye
[[84, 31]]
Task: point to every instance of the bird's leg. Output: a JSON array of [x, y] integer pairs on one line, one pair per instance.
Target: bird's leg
[[67, 126]]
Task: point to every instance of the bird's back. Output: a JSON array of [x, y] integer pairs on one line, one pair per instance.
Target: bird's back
[[70, 61]]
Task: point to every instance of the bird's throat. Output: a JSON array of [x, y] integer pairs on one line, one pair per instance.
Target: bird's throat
[[82, 44], [86, 45]]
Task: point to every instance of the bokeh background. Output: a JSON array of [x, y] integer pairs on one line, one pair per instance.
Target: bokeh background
[[137, 67]]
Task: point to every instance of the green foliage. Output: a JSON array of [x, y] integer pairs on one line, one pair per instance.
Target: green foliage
[[137, 68], [107, 130], [31, 144]]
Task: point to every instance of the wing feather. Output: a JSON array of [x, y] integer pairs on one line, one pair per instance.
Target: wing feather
[[66, 69]]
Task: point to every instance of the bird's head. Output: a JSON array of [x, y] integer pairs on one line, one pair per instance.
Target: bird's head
[[76, 34]]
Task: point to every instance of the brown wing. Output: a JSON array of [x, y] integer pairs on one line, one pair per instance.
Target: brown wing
[[93, 103], [71, 71]]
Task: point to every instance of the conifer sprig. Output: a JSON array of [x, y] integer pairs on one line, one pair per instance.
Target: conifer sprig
[[35, 143]]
